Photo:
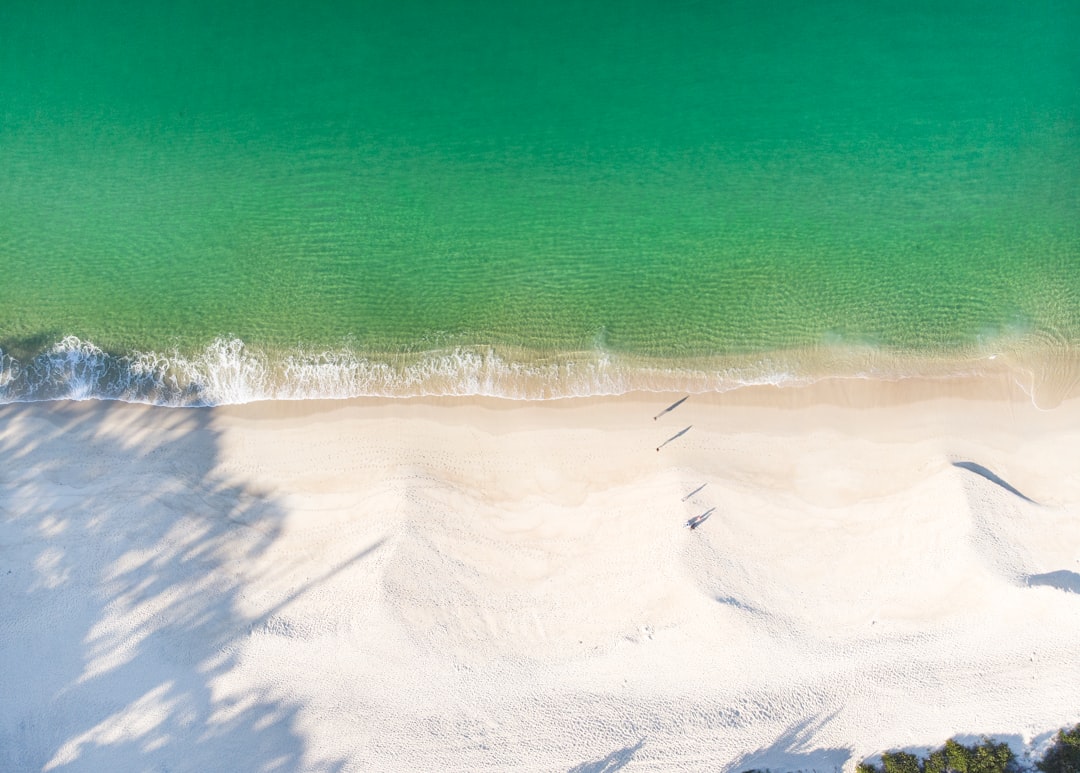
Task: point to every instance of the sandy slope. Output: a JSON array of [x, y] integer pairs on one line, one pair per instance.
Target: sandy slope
[[489, 585]]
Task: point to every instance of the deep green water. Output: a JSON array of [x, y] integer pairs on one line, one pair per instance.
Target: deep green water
[[662, 183]]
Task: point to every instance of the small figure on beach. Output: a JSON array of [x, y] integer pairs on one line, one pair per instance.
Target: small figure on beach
[[699, 488], [671, 407], [697, 520], [676, 435]]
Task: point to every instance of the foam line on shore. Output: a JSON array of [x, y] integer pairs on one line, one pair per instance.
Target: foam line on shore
[[230, 372]]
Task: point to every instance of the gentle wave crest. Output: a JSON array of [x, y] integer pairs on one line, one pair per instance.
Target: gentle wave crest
[[229, 371]]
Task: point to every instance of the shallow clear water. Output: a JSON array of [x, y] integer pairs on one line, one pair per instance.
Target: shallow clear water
[[393, 198]]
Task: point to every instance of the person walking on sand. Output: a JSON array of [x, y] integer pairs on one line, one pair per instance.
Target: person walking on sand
[[697, 520]]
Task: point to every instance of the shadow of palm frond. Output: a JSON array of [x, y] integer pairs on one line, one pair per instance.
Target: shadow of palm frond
[[791, 751], [617, 760], [122, 556]]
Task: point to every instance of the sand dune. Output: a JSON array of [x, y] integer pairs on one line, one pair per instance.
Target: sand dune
[[492, 585]]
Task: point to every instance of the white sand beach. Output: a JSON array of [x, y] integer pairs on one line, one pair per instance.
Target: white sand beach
[[490, 585]]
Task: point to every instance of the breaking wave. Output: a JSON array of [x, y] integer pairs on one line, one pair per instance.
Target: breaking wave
[[229, 371]]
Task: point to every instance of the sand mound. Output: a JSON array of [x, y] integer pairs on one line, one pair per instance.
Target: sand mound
[[490, 586]]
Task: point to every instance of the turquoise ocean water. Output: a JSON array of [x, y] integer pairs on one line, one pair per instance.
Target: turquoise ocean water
[[207, 202]]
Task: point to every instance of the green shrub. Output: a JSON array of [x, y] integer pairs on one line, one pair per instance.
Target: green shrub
[[986, 757], [1064, 755], [900, 762], [953, 757]]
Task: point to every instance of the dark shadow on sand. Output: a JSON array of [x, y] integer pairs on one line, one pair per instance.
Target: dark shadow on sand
[[676, 436], [788, 752], [124, 556], [978, 469], [617, 760], [738, 604], [671, 407], [1062, 579]]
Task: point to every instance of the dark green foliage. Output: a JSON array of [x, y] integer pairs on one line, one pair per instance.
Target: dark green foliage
[[987, 757], [1064, 755], [900, 762], [953, 757]]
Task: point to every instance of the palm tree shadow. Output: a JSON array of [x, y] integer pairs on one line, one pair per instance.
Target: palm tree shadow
[[123, 554], [617, 760], [790, 752]]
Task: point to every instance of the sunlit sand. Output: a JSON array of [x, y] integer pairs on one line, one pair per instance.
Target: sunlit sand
[[480, 584]]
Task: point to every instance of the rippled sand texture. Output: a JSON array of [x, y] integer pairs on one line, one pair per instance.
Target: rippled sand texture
[[490, 585]]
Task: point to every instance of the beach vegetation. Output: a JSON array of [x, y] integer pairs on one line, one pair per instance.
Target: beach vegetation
[[1063, 756], [953, 757], [900, 762], [985, 757]]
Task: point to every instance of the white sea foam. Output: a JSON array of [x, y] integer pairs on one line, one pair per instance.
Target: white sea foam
[[229, 371]]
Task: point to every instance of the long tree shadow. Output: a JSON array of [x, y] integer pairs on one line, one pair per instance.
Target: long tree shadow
[[790, 752], [617, 760], [123, 555]]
